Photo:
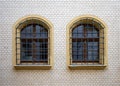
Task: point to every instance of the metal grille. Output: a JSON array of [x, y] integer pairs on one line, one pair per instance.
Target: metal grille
[[32, 45], [87, 43]]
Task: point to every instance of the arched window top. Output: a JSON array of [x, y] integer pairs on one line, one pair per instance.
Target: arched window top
[[29, 30], [33, 19], [89, 22], [87, 29], [87, 19]]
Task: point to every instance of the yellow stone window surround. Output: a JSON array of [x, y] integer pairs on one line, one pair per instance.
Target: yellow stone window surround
[[17, 28]]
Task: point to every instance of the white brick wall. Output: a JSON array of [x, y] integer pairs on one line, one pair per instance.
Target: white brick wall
[[59, 12]]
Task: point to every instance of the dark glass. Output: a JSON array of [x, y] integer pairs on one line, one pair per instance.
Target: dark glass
[[85, 43], [34, 43]]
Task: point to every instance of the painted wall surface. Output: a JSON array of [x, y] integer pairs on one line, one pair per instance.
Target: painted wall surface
[[59, 12]]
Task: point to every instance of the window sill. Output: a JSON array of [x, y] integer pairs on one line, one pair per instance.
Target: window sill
[[32, 67], [87, 67]]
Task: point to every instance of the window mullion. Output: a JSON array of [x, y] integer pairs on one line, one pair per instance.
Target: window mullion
[[85, 46]]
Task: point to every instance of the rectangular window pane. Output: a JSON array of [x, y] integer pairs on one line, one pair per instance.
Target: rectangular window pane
[[93, 51]]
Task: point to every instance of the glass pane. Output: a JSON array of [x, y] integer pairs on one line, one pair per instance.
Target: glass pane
[[27, 32], [77, 51], [93, 51], [91, 31], [41, 32], [34, 31], [41, 51], [78, 32], [26, 56]]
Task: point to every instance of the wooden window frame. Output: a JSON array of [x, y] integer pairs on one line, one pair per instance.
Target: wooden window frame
[[17, 28], [73, 23], [34, 46], [85, 38]]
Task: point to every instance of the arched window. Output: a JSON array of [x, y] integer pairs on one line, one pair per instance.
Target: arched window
[[32, 44], [87, 43]]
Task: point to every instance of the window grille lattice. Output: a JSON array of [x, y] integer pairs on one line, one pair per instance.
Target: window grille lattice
[[87, 43], [32, 45]]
